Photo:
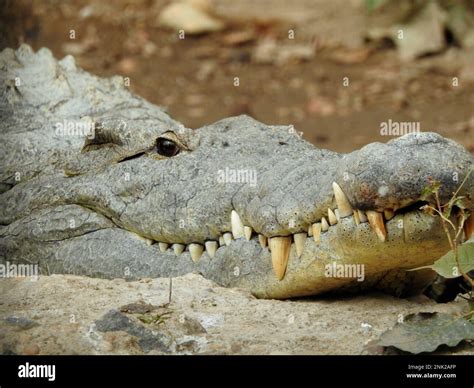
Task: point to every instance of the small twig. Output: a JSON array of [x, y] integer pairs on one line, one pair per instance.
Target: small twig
[[442, 216], [170, 291], [443, 222], [463, 181]]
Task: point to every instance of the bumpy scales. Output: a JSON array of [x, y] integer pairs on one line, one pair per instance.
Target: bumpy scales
[[96, 181]]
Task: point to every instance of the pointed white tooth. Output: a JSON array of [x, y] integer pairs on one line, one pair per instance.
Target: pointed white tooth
[[163, 246], [227, 238], [248, 232], [362, 216], [356, 217], [388, 214], [337, 214], [211, 248], [469, 226], [237, 225], [300, 240], [310, 230], [345, 208], [324, 225], [178, 248], [280, 254], [317, 232], [146, 240], [377, 224], [332, 217], [262, 240], [196, 251], [221, 241]]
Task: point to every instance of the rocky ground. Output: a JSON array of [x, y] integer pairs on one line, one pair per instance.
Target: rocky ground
[[77, 315]]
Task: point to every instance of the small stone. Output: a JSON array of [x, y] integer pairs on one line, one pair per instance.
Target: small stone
[[190, 18], [238, 38], [21, 323], [267, 51], [320, 106], [127, 66], [186, 344], [31, 350], [366, 327], [193, 326], [236, 347], [149, 49]]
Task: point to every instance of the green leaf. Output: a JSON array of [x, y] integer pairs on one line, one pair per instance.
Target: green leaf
[[459, 203], [154, 318], [426, 193], [425, 332], [429, 190], [447, 267]]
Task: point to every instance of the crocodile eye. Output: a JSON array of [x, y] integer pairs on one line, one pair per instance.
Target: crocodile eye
[[166, 147]]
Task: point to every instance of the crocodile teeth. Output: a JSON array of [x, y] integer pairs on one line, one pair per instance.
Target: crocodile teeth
[[356, 217], [388, 214], [146, 240], [337, 214], [221, 241], [163, 246], [469, 226], [178, 248], [300, 239], [196, 251], [211, 248], [280, 248], [262, 240], [345, 208], [376, 222], [310, 231], [324, 225], [362, 216], [237, 225], [317, 232], [332, 217], [227, 238], [248, 232]]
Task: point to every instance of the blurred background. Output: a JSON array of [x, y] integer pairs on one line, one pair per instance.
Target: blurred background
[[334, 69]]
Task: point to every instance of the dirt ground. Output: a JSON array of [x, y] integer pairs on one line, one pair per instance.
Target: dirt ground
[[195, 77], [77, 315]]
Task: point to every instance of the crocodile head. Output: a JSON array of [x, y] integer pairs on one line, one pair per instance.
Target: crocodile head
[[245, 204]]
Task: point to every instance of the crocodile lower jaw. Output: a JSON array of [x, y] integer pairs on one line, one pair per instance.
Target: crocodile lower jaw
[[351, 224]]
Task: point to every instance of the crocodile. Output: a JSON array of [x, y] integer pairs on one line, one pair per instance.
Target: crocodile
[[98, 182]]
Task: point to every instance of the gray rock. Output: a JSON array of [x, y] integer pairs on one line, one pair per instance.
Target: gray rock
[[22, 323], [148, 340]]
